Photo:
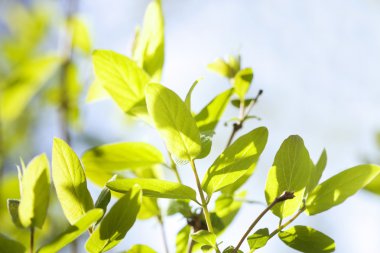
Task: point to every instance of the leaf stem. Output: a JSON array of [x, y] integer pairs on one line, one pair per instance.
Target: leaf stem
[[283, 197], [31, 239], [281, 227], [163, 232]]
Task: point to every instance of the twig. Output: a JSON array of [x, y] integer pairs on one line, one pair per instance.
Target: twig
[[163, 232], [31, 240], [283, 197]]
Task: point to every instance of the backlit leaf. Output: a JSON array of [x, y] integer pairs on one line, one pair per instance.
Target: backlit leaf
[[139, 248], [174, 122], [204, 237], [182, 239], [338, 188], [258, 239], [242, 82], [290, 172], [316, 172]]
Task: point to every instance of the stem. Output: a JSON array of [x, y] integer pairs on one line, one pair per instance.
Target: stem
[[283, 197], [173, 166], [163, 232], [287, 223], [31, 240]]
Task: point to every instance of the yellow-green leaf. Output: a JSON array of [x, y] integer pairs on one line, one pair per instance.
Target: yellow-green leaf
[[80, 34], [338, 188], [70, 182], [35, 192], [242, 82], [174, 122], [316, 172], [290, 172], [139, 248], [116, 223], [8, 245], [258, 239], [235, 161], [204, 237], [182, 239], [72, 232]]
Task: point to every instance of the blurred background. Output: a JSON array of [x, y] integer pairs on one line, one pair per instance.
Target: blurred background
[[318, 63]]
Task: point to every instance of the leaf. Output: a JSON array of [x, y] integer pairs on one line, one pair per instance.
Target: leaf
[[35, 193], [230, 249], [189, 93], [154, 188], [374, 185], [73, 231], [236, 102], [290, 172], [235, 161], [204, 238], [103, 199], [258, 239], [116, 223], [307, 239], [8, 245], [338, 188], [173, 121], [222, 68], [182, 239], [121, 78], [149, 209], [81, 38], [139, 248], [317, 172], [180, 206], [70, 182], [121, 156], [13, 205], [242, 82], [96, 92], [149, 46]]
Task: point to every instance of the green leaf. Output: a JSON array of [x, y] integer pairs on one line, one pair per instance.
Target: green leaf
[[222, 68], [139, 248], [307, 239], [70, 182], [374, 185], [242, 82], [182, 239], [317, 172], [73, 231], [149, 209], [204, 238], [8, 245], [116, 222], [174, 122], [338, 188], [290, 172], [121, 156], [35, 193], [96, 92], [149, 46], [103, 199], [81, 38], [235, 161], [258, 239], [180, 206], [189, 93], [13, 205], [154, 188], [236, 102], [230, 249], [121, 78]]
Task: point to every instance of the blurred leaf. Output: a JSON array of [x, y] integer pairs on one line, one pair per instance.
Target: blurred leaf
[[35, 192], [73, 231], [182, 239], [236, 102], [174, 122], [13, 205], [116, 222], [120, 156], [70, 182], [242, 82], [338, 188], [258, 239], [8, 245], [180, 206], [235, 161], [316, 172], [154, 188], [204, 238], [81, 38], [222, 68], [290, 172], [149, 46], [96, 92], [307, 239], [149, 208], [121, 78], [139, 248]]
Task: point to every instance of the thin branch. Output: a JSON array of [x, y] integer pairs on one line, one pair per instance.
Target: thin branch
[[283, 197], [163, 232], [31, 240]]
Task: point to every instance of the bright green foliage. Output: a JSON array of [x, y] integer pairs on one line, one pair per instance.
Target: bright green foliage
[[73, 231], [149, 209], [189, 93], [81, 38], [13, 205], [290, 172], [307, 239], [180, 206], [230, 249], [116, 223], [316, 172], [204, 238], [338, 188], [139, 248], [96, 92], [242, 82], [182, 239], [235, 161], [174, 122], [226, 68], [258, 240], [154, 188], [121, 156], [70, 182], [149, 43], [35, 193], [374, 185], [121, 78], [103, 199], [8, 245]]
